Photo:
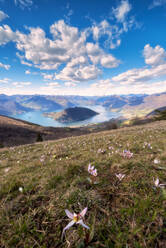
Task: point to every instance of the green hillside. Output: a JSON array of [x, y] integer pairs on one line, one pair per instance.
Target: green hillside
[[39, 181]]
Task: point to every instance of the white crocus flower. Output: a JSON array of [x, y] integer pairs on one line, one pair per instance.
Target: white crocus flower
[[156, 161], [20, 189], [120, 176], [7, 169], [76, 219], [158, 185]]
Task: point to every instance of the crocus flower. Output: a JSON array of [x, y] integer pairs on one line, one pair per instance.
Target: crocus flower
[[20, 189], [156, 161], [120, 176], [94, 173], [75, 219], [92, 170], [157, 184], [127, 154], [7, 169]]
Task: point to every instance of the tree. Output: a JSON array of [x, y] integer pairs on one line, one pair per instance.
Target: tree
[[39, 137]]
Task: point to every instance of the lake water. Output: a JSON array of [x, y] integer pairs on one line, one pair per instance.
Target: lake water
[[38, 118]]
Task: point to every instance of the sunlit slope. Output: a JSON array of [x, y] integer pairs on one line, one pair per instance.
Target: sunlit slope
[[38, 182]]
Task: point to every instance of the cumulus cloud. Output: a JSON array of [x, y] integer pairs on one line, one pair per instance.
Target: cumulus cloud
[[4, 66], [155, 58], [122, 10], [79, 74], [3, 15], [6, 35], [42, 52], [47, 76], [98, 56], [79, 60]]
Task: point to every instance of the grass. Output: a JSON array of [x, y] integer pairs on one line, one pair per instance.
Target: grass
[[128, 213]]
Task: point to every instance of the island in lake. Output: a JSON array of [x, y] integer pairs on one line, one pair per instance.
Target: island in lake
[[72, 114]]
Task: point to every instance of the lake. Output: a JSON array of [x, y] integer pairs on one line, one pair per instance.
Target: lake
[[38, 118]]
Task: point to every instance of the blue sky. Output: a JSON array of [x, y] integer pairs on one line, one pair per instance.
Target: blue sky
[[82, 47]]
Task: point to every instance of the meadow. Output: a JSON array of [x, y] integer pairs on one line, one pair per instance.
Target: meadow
[[125, 200]]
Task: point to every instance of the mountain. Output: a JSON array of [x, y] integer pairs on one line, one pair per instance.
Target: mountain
[[148, 104], [10, 107], [42, 103], [127, 105], [157, 111], [73, 114]]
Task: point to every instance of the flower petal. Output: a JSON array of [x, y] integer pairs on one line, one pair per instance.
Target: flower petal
[[71, 223], [156, 182], [83, 212], [69, 214], [82, 224]]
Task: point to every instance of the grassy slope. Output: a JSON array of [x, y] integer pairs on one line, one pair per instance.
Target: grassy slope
[[130, 213], [16, 132]]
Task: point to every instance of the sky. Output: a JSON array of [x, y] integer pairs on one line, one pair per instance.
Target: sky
[[82, 47]]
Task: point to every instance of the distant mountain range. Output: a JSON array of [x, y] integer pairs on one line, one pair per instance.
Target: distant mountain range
[[127, 105]]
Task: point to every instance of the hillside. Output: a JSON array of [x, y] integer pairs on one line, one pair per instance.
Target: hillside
[[17, 132], [39, 181], [149, 104], [154, 112], [72, 114]]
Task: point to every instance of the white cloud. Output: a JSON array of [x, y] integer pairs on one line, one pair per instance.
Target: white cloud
[[27, 72], [120, 22], [79, 59], [5, 80], [122, 10], [98, 56], [21, 84], [3, 15], [47, 76], [157, 3], [79, 74], [107, 87], [53, 84], [7, 67], [70, 84], [112, 32], [23, 3], [6, 34], [154, 56], [108, 61]]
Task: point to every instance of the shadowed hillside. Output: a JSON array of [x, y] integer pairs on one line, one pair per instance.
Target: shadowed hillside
[[16, 132]]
